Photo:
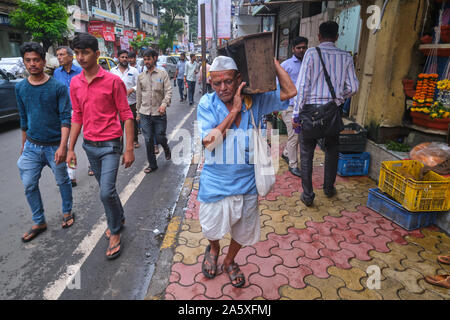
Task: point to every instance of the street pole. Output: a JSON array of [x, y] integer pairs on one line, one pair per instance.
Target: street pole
[[203, 26], [214, 26]]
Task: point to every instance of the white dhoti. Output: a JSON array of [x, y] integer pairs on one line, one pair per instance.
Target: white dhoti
[[238, 215]]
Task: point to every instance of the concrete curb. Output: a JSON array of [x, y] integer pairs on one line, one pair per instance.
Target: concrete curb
[[160, 278]]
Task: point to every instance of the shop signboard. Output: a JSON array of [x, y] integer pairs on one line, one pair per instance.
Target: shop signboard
[[108, 32], [105, 14], [102, 29], [129, 34]]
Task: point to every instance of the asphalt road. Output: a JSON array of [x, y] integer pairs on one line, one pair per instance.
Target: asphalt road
[[71, 263]]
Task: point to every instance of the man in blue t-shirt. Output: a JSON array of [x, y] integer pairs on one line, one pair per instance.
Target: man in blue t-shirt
[[64, 74], [44, 108]]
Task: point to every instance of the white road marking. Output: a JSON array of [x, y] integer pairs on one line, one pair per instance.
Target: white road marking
[[53, 291]]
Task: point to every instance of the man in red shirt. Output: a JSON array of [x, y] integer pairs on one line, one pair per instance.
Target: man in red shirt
[[99, 98]]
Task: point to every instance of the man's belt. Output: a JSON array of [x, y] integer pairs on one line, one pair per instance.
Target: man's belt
[[108, 143]]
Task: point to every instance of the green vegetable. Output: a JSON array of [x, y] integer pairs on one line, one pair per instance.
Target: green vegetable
[[395, 146]]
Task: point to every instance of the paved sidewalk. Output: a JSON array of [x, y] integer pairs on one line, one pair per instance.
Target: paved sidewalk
[[322, 252]]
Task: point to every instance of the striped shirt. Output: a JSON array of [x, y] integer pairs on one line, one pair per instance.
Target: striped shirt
[[311, 85]]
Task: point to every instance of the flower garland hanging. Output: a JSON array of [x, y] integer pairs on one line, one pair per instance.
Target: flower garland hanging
[[425, 90]]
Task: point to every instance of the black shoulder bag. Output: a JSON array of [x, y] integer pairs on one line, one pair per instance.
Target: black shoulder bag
[[325, 120]]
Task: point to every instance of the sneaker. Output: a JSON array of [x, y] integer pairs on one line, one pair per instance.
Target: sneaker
[[295, 171], [168, 154], [156, 149]]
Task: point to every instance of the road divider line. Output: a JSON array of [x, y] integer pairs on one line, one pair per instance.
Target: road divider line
[[54, 290]]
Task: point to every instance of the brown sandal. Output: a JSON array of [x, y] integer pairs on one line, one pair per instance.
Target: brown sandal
[[439, 280], [444, 259], [234, 273]]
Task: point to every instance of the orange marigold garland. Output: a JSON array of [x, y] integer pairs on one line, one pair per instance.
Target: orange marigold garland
[[425, 89]]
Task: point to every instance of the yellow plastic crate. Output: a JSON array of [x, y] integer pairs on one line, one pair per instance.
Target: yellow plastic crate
[[400, 180]]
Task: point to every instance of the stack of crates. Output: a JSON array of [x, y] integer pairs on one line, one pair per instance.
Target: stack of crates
[[353, 161], [407, 200]]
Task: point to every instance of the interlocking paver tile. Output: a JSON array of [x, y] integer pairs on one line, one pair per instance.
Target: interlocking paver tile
[[407, 278], [284, 241], [297, 222], [187, 273], [263, 247], [367, 228], [327, 287], [411, 251], [378, 242], [364, 265], [331, 242], [265, 231], [303, 234], [442, 292], [189, 255], [185, 293], [294, 275], [350, 235], [246, 293], [351, 277], [266, 265], [324, 228], [425, 268], [341, 222], [270, 286], [428, 243], [389, 288], [271, 205], [307, 293], [340, 258], [382, 222], [279, 228], [426, 295], [311, 249], [394, 235], [361, 250], [392, 259], [365, 294], [318, 266], [289, 257]]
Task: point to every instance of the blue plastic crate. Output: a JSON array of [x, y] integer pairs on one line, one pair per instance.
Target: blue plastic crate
[[355, 164], [394, 211]]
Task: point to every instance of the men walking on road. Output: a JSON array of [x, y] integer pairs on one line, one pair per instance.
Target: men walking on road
[[64, 74], [327, 78], [44, 108], [228, 194], [190, 75], [292, 67], [129, 76], [98, 99], [179, 75], [154, 94]]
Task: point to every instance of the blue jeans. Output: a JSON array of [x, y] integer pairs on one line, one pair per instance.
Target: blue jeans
[[105, 163], [154, 127], [180, 83], [33, 159], [191, 91]]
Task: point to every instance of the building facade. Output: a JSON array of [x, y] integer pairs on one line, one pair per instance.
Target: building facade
[[10, 37]]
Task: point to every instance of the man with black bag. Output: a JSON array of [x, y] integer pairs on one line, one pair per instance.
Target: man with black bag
[[327, 78]]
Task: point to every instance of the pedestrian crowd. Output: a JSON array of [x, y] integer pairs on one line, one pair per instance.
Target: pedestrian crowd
[[312, 87]]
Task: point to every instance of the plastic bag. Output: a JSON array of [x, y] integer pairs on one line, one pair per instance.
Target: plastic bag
[[434, 155]]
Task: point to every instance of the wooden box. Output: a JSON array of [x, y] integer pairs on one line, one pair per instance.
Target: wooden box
[[253, 55]]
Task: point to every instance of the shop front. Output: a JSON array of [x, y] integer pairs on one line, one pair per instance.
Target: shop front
[[104, 32]]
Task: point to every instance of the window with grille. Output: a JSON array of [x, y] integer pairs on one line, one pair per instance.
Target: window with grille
[[103, 4], [130, 15]]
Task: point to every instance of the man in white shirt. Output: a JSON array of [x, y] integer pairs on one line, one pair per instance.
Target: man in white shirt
[[129, 76], [190, 73]]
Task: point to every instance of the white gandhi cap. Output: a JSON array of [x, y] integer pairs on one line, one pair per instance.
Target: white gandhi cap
[[223, 63]]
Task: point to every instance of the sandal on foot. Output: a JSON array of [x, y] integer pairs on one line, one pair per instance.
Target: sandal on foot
[[121, 227], [33, 233], [67, 219], [149, 170], [115, 254], [444, 259], [211, 264], [234, 273], [439, 280], [90, 173]]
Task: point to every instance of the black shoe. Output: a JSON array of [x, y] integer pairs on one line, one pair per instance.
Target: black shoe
[[295, 171], [330, 193], [168, 154], [307, 203], [74, 183], [285, 158]]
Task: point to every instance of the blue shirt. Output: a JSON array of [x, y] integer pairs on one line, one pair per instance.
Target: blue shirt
[[43, 109], [65, 78], [292, 67], [221, 176], [180, 67]]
